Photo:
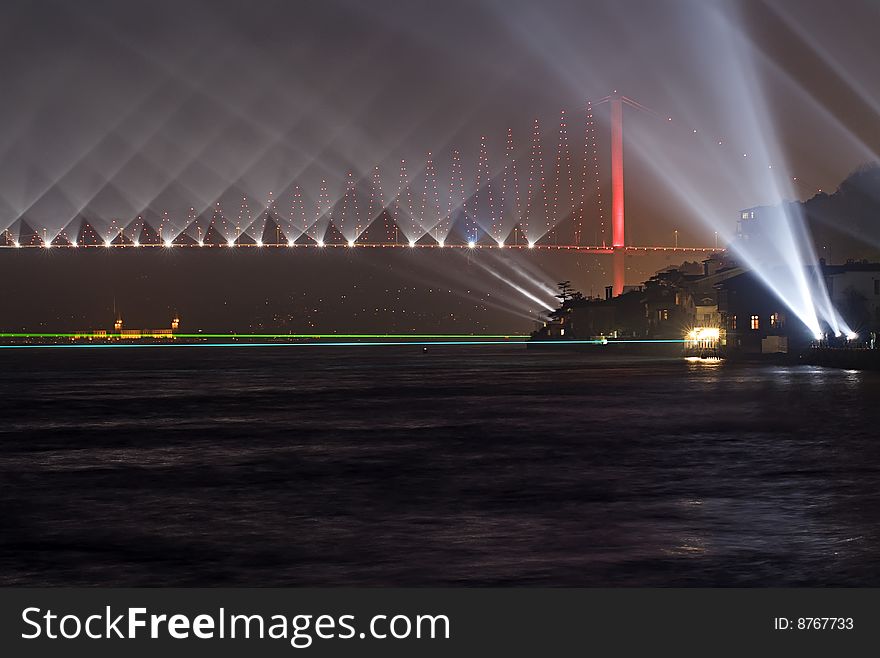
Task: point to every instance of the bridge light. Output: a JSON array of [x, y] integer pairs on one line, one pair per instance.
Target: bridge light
[[201, 243], [47, 245], [290, 243], [230, 243], [471, 244], [137, 243], [501, 244], [74, 244], [320, 243], [440, 243], [169, 244], [351, 243], [259, 243], [16, 245], [531, 245], [412, 243], [108, 244]]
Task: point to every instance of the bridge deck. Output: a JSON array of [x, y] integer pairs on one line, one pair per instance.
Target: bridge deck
[[596, 249]]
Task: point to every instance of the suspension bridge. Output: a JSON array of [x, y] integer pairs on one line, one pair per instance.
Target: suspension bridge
[[519, 206]]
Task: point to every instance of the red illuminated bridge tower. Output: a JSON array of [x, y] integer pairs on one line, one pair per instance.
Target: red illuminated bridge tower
[[618, 235]]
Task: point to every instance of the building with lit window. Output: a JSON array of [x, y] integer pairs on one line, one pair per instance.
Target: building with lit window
[[752, 313], [754, 317], [749, 224], [679, 299]]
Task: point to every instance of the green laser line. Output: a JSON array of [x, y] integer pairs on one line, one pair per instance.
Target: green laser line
[[328, 344], [91, 334]]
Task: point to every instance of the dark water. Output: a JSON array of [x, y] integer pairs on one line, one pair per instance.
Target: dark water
[[468, 465]]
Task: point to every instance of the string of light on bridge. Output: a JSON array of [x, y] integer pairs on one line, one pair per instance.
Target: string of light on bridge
[[553, 214]]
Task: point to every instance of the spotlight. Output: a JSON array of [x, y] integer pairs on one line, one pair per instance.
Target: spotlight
[[320, 243], [289, 243], [501, 244], [201, 243], [819, 336], [531, 245], [351, 243], [137, 243], [16, 245], [852, 335], [412, 243], [74, 244], [47, 245], [440, 243], [169, 244], [230, 243], [108, 244], [259, 243], [839, 334], [472, 244]]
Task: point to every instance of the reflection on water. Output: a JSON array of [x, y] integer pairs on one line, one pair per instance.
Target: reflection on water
[[460, 466]]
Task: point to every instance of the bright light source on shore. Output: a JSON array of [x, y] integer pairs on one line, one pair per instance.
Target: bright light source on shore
[[201, 243], [531, 245], [412, 243], [169, 244], [472, 244], [320, 243], [351, 243], [137, 243], [440, 243], [108, 244], [47, 245], [259, 243], [707, 334], [501, 244], [16, 245], [230, 243], [289, 243], [852, 335], [819, 336], [74, 244]]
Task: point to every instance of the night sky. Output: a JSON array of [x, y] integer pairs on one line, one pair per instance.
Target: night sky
[[114, 109]]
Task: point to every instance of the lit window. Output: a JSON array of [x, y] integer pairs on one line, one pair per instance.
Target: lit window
[[774, 320], [756, 322], [733, 322]]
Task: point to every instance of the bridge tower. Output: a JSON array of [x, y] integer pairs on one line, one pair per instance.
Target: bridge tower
[[618, 234]]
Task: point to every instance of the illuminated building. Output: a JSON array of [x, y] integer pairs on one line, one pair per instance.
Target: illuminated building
[[756, 319], [119, 333], [748, 224]]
